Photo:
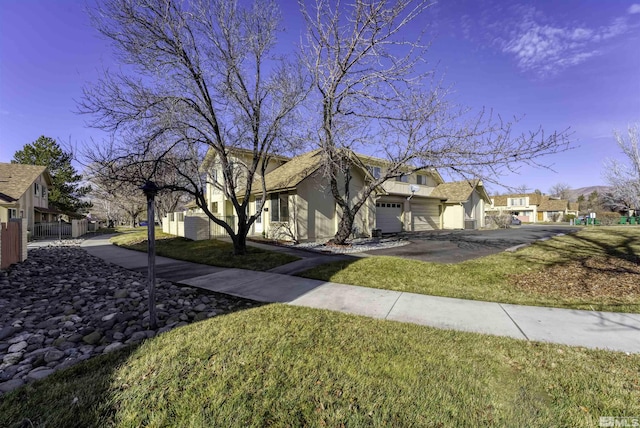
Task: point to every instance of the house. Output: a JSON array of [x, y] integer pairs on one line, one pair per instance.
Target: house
[[24, 193], [532, 207], [300, 205], [464, 204]]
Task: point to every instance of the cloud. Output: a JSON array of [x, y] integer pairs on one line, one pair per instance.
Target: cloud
[[546, 48], [634, 8]]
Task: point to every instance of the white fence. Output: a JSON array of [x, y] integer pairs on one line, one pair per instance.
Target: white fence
[[195, 226], [60, 229]]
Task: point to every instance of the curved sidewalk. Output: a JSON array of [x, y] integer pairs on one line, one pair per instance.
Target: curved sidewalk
[[591, 329]]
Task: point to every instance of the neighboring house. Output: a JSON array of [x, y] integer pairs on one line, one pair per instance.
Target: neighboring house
[[300, 205], [24, 193], [464, 204], [532, 207]]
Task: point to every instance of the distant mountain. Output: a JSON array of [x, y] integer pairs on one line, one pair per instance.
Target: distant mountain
[[586, 191]]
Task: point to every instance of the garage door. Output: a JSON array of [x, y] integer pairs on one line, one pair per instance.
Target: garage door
[[389, 217], [425, 216]]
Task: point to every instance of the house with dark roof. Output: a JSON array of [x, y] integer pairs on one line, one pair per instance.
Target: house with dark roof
[[24, 193], [463, 203], [532, 207], [300, 205]]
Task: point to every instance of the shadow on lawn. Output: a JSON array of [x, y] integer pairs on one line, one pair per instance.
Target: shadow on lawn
[[581, 246]]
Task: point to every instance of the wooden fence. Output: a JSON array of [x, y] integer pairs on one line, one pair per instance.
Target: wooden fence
[[11, 244]]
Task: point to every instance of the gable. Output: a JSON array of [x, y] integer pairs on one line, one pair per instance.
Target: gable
[[460, 191], [16, 179]]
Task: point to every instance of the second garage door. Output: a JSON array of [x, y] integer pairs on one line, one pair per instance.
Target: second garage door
[[425, 216], [389, 217]]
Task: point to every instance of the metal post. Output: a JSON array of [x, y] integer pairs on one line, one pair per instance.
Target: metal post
[[59, 227], [150, 189]]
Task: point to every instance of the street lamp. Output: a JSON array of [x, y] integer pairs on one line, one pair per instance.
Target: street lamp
[[150, 190]]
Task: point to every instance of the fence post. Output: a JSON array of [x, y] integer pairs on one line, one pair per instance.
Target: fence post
[[23, 239]]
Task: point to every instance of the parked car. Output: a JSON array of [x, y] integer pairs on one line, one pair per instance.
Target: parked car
[[144, 223], [515, 221]]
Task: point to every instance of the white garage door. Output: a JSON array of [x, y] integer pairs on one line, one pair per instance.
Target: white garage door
[[389, 217], [425, 216]]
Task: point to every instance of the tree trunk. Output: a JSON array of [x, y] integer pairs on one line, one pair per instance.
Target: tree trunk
[[240, 238], [344, 227]]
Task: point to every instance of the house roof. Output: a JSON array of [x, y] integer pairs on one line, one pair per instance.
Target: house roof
[[501, 200], [366, 159], [290, 174], [548, 204], [16, 179], [459, 191]]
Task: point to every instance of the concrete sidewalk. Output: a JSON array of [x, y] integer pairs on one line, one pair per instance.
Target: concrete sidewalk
[[591, 329]]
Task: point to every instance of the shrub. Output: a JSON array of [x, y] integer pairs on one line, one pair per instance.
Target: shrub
[[502, 221], [568, 217], [607, 218]]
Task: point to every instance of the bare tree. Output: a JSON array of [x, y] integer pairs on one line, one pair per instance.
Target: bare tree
[[624, 177], [119, 202], [523, 188], [199, 80], [560, 190], [373, 95]]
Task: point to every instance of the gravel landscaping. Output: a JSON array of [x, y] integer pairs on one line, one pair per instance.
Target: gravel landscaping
[[359, 245], [62, 306]]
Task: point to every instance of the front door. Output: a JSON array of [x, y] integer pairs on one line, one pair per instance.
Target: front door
[[257, 226]]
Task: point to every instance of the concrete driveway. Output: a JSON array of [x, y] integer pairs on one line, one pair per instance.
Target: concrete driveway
[[453, 246]]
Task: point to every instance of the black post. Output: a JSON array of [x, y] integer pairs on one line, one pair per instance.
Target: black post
[[150, 189]]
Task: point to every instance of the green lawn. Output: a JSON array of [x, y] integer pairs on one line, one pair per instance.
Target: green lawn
[[491, 278], [209, 252], [287, 366]]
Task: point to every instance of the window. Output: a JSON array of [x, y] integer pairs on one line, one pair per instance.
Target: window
[[180, 216], [279, 207], [36, 189], [214, 207], [171, 217], [403, 178], [374, 170], [518, 202], [44, 192], [422, 179], [13, 213]]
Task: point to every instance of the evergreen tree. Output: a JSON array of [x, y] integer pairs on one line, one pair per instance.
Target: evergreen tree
[[67, 189]]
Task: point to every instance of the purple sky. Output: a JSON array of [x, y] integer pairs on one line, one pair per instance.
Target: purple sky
[[560, 64]]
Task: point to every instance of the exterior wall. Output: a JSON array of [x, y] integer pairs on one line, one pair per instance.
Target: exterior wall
[[214, 194], [196, 227], [453, 216], [315, 209], [528, 213], [173, 224], [79, 227]]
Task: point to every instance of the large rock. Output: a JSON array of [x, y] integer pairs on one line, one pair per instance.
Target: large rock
[[18, 347], [53, 355], [92, 338]]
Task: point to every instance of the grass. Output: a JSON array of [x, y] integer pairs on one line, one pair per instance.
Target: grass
[[491, 278], [279, 365], [209, 252]]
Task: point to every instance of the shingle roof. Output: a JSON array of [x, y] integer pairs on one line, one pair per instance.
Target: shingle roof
[[289, 175], [459, 191], [548, 204], [15, 179]]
